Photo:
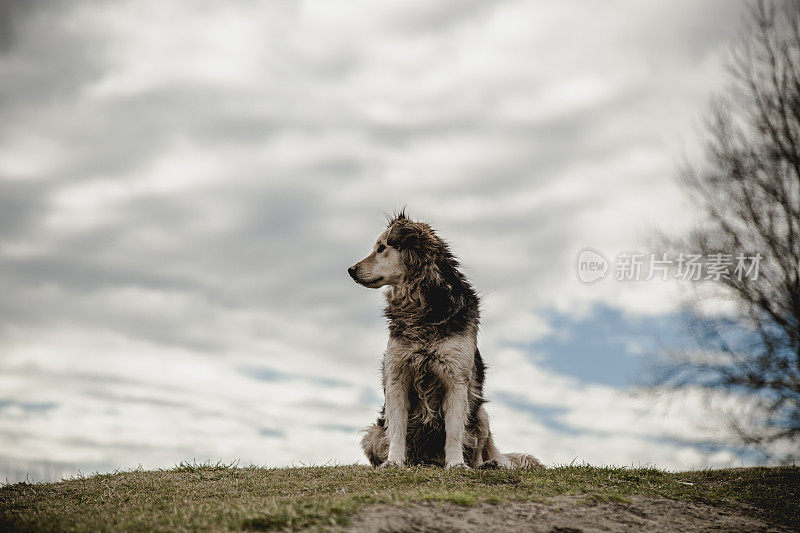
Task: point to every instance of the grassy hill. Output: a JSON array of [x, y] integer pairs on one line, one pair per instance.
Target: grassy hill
[[223, 497]]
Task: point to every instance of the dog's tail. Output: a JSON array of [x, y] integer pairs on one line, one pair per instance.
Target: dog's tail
[[524, 460]]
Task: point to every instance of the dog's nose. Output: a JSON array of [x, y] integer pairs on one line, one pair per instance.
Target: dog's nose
[[352, 272]]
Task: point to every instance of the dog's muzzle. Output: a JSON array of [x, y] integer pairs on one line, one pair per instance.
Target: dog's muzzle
[[372, 284]]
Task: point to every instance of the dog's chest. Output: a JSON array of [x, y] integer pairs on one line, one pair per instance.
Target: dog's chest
[[447, 358]]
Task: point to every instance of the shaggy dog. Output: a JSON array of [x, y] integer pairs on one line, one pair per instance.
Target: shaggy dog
[[432, 370]]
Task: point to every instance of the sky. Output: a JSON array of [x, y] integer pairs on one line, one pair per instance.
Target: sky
[[184, 184]]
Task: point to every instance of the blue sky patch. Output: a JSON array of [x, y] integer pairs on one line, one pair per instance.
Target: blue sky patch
[[30, 407], [263, 373], [270, 432], [547, 415], [607, 347]]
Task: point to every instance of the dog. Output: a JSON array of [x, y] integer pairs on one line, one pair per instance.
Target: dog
[[432, 370]]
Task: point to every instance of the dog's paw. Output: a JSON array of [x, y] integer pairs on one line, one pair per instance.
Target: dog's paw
[[457, 466], [392, 463], [500, 462], [504, 462]]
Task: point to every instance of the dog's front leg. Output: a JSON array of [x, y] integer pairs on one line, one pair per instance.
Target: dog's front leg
[[455, 420], [396, 421]]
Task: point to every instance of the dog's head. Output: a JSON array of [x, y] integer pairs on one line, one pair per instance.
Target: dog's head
[[384, 266], [405, 253]]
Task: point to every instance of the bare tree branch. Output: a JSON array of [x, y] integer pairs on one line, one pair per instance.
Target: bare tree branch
[[749, 191]]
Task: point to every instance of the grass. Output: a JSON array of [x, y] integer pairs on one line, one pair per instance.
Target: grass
[[225, 497]]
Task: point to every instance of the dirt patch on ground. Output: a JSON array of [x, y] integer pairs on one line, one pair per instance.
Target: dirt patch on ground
[[561, 514]]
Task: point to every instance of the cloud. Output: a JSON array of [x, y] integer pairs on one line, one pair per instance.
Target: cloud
[[182, 190], [11, 15]]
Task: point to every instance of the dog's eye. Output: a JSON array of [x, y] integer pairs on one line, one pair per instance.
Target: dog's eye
[[381, 248]]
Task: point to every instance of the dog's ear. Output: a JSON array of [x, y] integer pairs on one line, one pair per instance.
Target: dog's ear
[[404, 236]]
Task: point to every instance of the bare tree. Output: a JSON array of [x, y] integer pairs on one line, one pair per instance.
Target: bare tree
[[748, 189]]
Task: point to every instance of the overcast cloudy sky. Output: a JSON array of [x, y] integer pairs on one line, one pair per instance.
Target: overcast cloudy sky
[[183, 185]]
